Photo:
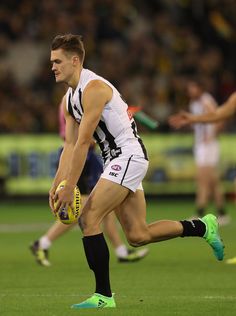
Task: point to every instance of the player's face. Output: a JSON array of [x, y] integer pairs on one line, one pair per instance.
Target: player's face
[[63, 65], [193, 90]]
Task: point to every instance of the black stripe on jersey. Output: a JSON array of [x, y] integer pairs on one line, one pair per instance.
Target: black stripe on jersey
[[77, 110], [101, 145], [80, 99], [109, 137], [70, 110], [134, 128], [126, 169], [114, 150]]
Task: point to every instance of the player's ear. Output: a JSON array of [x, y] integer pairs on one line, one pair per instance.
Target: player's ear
[[75, 60]]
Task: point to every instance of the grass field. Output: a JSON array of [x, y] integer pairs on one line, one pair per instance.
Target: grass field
[[179, 277]]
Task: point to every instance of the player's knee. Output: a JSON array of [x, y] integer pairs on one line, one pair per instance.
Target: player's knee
[[84, 223], [137, 239], [87, 226]]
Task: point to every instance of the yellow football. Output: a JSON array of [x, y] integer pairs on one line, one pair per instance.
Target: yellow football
[[67, 215]]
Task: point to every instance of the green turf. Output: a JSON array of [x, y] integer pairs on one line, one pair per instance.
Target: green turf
[[179, 277]]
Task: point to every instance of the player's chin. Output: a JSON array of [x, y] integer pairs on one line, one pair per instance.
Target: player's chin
[[58, 79]]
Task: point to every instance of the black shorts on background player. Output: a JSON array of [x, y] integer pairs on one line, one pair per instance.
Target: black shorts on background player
[[93, 168]]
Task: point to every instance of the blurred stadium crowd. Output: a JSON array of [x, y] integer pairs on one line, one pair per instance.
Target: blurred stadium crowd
[[148, 49]]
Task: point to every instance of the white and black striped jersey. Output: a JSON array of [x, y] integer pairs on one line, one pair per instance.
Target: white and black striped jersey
[[203, 132], [116, 132]]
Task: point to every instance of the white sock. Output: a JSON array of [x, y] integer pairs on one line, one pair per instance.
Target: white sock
[[121, 251], [44, 242]]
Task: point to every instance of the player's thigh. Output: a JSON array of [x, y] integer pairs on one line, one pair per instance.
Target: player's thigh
[[105, 197], [214, 174], [84, 198], [132, 215], [203, 175]]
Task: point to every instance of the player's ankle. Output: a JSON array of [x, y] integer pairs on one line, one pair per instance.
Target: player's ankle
[[121, 251], [44, 242], [193, 228]]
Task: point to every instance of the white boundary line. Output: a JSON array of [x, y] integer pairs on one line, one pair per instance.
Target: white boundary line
[[21, 228], [26, 228], [206, 297]]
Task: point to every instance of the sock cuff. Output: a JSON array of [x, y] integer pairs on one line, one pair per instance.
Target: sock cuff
[[44, 242], [121, 251], [92, 237], [193, 228]]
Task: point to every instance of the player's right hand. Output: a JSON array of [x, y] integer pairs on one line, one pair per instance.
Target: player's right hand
[[180, 119]]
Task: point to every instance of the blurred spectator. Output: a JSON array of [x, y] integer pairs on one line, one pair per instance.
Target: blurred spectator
[[147, 49]]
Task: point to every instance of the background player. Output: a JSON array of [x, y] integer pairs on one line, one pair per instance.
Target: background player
[[206, 152], [223, 112]]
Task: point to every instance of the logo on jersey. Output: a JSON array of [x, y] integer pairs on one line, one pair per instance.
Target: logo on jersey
[[115, 152], [116, 167]]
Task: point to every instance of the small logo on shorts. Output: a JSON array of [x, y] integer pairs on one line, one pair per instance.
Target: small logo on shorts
[[113, 174], [116, 167]]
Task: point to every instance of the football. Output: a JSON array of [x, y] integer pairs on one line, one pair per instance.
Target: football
[[67, 215]]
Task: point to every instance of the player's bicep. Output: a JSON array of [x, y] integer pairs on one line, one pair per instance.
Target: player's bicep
[[94, 100], [71, 128]]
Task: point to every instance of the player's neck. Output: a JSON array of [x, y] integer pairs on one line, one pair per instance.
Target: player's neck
[[73, 82]]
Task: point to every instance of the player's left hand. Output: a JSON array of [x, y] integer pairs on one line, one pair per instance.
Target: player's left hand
[[64, 198], [51, 198]]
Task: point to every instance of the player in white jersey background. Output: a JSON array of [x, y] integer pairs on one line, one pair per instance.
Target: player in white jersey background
[[225, 111], [206, 152], [95, 109]]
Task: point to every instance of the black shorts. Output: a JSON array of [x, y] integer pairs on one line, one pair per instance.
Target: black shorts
[[92, 171], [84, 180]]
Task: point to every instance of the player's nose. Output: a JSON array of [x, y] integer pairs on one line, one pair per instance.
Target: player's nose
[[53, 68]]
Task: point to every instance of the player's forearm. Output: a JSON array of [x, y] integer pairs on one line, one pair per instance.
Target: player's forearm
[[77, 163], [223, 112], [220, 114], [205, 118]]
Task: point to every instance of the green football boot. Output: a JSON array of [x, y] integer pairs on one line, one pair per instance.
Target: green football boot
[[212, 236], [41, 255], [96, 301]]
